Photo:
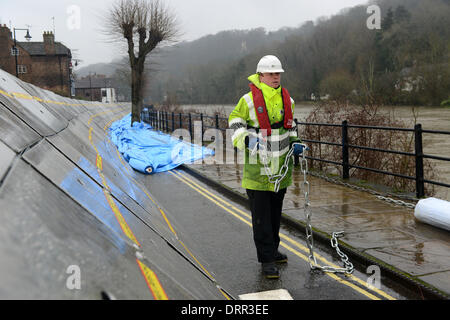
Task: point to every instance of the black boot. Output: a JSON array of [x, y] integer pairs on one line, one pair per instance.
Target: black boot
[[280, 257], [270, 270]]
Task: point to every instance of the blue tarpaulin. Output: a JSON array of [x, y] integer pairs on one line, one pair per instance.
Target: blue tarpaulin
[[145, 148]]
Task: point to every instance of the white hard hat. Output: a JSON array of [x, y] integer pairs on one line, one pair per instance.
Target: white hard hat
[[270, 64]]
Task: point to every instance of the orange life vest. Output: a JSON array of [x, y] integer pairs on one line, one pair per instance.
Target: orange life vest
[[261, 110]]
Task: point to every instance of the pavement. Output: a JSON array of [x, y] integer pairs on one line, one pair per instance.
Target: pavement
[[376, 231]]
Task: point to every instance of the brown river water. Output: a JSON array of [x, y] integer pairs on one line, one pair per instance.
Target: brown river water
[[431, 118]]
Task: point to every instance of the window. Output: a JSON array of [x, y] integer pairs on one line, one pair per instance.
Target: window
[[103, 92], [21, 68], [14, 51]]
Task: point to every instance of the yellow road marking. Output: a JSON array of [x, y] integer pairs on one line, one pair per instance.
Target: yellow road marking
[[99, 162], [212, 194], [189, 251], [159, 208], [203, 191], [120, 219], [299, 245], [150, 277], [332, 275], [6, 93], [22, 95], [152, 282], [210, 198], [19, 95], [117, 150], [163, 214], [123, 224]]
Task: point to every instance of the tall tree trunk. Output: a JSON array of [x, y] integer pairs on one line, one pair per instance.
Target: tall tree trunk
[[137, 72]]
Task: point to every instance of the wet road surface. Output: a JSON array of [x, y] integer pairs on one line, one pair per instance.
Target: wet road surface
[[220, 236]]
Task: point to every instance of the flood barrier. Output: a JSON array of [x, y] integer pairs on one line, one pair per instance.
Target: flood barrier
[[77, 223]]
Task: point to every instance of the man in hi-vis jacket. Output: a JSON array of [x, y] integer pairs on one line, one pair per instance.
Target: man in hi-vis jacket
[[264, 127]]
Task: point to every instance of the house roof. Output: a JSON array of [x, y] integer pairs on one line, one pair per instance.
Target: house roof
[[37, 48]]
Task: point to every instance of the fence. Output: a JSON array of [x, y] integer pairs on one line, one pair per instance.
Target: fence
[[170, 121], [161, 120]]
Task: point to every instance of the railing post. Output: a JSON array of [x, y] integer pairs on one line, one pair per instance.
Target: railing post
[[181, 120], [157, 120], [190, 125], [217, 121], [166, 121], [296, 158], [345, 162], [173, 121], [420, 186], [163, 124], [201, 120]]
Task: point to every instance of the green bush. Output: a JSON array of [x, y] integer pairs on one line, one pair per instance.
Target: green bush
[[338, 85], [445, 103]]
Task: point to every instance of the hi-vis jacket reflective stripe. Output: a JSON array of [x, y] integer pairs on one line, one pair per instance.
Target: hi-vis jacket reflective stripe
[[243, 116]]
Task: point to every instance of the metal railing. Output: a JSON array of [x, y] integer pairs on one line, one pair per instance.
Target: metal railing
[[418, 154], [170, 121]]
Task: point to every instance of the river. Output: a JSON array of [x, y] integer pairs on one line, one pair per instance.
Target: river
[[431, 118]]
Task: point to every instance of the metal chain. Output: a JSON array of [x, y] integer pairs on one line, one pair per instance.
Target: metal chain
[[378, 195], [348, 266], [276, 180]]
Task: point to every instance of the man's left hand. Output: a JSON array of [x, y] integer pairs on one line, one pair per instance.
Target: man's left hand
[[299, 148]]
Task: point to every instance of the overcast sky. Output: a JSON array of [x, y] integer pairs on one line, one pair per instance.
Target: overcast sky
[[197, 18]]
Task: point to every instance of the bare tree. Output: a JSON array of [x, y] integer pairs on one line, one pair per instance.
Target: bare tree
[[144, 25]]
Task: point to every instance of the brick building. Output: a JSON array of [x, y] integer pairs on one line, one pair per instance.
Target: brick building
[[46, 64]]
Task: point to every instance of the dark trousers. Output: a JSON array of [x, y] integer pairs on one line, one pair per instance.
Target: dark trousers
[[266, 209]]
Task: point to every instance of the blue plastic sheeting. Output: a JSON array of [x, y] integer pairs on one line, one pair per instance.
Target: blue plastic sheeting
[[145, 149]]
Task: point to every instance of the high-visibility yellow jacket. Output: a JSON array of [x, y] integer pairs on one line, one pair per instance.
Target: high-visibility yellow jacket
[[278, 143]]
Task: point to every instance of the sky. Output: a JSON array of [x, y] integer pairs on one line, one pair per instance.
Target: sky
[[78, 23]]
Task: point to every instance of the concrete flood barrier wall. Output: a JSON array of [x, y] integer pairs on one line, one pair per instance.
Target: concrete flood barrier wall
[[76, 222]]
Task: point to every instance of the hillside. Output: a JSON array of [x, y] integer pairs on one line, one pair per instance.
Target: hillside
[[406, 62]]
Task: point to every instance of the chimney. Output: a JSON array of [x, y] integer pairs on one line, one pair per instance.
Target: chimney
[[49, 42], [5, 32]]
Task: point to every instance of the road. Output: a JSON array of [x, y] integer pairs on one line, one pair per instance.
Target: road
[[219, 235]]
